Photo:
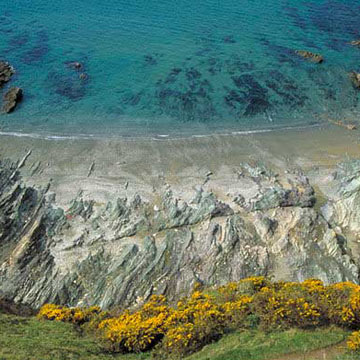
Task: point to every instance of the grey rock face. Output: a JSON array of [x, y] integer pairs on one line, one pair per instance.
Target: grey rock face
[[342, 211], [122, 252]]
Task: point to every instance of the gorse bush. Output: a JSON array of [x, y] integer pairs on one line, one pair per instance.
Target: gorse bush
[[204, 316], [74, 315], [138, 331], [353, 342], [195, 321], [291, 305]]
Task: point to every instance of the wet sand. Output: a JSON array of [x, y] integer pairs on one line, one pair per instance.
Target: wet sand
[[105, 169]]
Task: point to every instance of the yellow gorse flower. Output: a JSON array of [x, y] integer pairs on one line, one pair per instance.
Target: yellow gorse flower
[[201, 318]]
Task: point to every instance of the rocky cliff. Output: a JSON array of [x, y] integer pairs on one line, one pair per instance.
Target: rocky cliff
[[121, 252]]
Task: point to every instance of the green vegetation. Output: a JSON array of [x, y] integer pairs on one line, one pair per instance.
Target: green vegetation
[[255, 345], [253, 319], [30, 339]]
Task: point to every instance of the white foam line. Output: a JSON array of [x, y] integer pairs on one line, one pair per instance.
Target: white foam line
[[159, 137], [249, 132], [45, 137]]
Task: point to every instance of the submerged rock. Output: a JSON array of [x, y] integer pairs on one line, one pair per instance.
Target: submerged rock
[[150, 60], [11, 99], [6, 72], [83, 76], [75, 65], [316, 58]]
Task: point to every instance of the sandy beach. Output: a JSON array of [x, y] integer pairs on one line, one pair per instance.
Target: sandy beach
[[104, 169]]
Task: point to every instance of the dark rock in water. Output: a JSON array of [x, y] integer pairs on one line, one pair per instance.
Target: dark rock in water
[[282, 53], [75, 65], [171, 78], [70, 89], [39, 50], [291, 94], [12, 98], [355, 79], [193, 74], [133, 99], [253, 95], [70, 85], [298, 20], [18, 41], [6, 72], [229, 39], [186, 95], [315, 58], [150, 60], [250, 84], [36, 54], [257, 105], [232, 99], [83, 76], [337, 18]]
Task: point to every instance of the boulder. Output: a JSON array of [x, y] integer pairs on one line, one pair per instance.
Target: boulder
[[75, 65], [6, 72], [12, 98], [316, 58], [355, 79], [83, 76], [355, 43]]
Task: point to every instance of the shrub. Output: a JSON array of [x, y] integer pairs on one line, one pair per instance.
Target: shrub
[[74, 315], [202, 318], [237, 312], [338, 305], [138, 331], [353, 342], [195, 322], [133, 333], [291, 306]]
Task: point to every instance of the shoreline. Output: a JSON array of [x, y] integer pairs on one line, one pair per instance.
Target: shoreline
[[104, 168], [124, 220], [158, 137]]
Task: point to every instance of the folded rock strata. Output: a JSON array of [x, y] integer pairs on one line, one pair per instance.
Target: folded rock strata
[[122, 252]]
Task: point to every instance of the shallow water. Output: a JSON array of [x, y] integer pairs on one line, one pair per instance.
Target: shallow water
[[178, 67]]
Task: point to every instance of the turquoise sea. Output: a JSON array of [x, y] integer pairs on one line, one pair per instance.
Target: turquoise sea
[[184, 67]]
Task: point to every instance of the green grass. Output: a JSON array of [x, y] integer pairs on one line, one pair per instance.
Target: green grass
[[30, 339], [255, 345], [348, 356]]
